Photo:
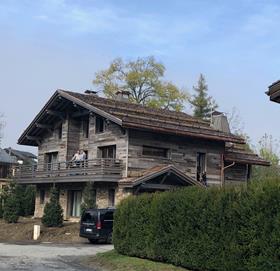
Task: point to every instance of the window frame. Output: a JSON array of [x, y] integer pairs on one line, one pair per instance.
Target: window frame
[[165, 152], [99, 125]]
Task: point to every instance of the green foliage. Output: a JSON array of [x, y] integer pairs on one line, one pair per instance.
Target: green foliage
[[143, 79], [53, 213], [204, 229], [1, 205], [202, 103], [29, 200], [269, 150], [89, 197], [11, 209]]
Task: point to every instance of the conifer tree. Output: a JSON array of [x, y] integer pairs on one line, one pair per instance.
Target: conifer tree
[[203, 104], [53, 213], [89, 197]]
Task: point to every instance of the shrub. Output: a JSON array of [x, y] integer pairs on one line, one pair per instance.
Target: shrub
[[1, 206], [53, 213], [29, 200], [89, 197], [204, 229], [10, 210]]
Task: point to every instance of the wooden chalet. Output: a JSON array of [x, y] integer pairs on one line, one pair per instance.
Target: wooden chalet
[[130, 149]]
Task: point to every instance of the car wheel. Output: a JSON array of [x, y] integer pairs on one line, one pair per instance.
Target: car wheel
[[93, 241]]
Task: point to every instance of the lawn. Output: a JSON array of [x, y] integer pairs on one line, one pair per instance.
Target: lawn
[[112, 261]]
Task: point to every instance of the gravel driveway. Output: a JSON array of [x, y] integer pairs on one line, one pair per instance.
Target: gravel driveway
[[46, 257]]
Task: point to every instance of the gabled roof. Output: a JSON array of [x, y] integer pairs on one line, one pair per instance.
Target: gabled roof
[[237, 153], [5, 158], [151, 173], [127, 115], [21, 154], [274, 91]]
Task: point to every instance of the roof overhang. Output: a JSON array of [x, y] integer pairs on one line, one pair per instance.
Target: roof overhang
[[28, 137], [274, 92]]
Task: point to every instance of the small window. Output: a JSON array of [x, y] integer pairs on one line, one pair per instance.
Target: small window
[[201, 166], [111, 196], [42, 196], [85, 126], [59, 131], [154, 151], [99, 125], [107, 152]]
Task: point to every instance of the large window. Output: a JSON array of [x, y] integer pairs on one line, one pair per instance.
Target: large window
[[107, 152], [74, 202], [111, 197], [155, 151], [99, 125]]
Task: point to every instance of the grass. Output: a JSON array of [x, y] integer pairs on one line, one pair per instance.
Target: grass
[[113, 261]]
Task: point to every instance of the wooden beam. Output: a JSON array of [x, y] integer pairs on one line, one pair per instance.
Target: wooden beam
[[55, 113], [35, 138], [80, 114], [157, 186], [164, 178], [44, 126]]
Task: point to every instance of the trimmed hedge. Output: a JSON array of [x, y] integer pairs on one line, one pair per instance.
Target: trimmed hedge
[[204, 229]]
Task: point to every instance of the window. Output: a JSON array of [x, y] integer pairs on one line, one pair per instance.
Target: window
[[59, 131], [85, 127], [74, 202], [154, 151], [201, 167], [42, 196], [111, 197], [99, 125], [107, 152]]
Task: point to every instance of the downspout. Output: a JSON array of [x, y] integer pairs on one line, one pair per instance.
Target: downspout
[[126, 163], [223, 171]]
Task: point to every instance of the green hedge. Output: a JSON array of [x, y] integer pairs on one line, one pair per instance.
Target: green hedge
[[204, 229]]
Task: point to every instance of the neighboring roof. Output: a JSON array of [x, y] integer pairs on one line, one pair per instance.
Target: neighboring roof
[[21, 154], [129, 115], [237, 153], [148, 174], [274, 91], [5, 158]]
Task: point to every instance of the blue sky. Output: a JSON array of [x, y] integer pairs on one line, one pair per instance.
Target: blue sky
[[52, 44]]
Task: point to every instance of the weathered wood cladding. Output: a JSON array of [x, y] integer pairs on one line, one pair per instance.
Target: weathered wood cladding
[[182, 153], [236, 174], [73, 139]]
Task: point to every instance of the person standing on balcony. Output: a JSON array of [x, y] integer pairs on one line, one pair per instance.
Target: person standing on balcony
[[76, 158]]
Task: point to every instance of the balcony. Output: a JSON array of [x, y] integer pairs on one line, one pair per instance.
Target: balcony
[[97, 170]]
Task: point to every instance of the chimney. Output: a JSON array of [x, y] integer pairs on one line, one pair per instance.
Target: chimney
[[91, 92], [220, 122], [122, 95]]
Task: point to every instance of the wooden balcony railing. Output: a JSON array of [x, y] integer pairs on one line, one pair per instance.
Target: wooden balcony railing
[[69, 170]]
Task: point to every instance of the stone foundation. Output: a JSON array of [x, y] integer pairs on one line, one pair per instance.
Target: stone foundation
[[102, 197]]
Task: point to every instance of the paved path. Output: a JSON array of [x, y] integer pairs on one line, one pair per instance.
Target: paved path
[[46, 257]]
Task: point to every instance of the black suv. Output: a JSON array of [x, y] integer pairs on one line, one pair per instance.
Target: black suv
[[97, 225]]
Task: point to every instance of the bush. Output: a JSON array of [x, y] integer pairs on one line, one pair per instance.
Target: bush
[[29, 200], [53, 213], [1, 206], [204, 229], [10, 210], [89, 197]]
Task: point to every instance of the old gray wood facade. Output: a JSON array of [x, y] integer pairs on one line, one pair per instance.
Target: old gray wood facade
[[130, 149]]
